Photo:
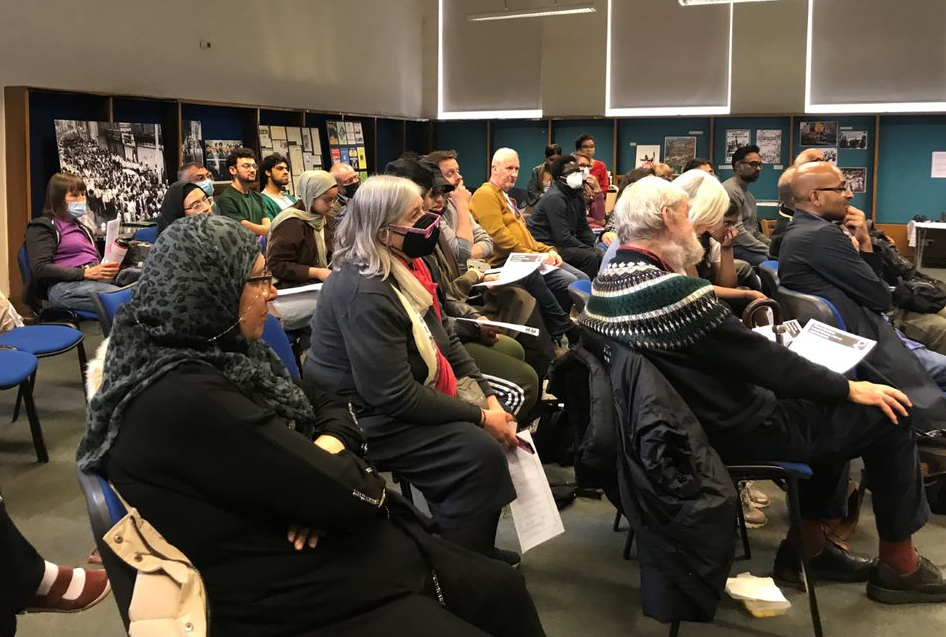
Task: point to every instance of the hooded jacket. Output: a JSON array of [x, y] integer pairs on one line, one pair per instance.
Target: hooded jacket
[[42, 241]]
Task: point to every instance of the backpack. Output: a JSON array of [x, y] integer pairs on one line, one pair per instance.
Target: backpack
[[913, 291]]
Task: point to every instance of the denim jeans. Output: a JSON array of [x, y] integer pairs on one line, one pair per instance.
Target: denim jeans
[[77, 295], [558, 281]]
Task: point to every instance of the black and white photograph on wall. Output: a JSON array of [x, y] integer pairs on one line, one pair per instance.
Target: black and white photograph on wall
[[122, 166], [852, 139], [215, 156], [678, 151], [818, 133], [646, 155], [769, 142], [192, 146], [831, 155], [735, 138], [856, 178], [332, 133]]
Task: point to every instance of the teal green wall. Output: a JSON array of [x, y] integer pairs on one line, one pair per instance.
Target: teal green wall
[[528, 138], [635, 132], [904, 186], [767, 186], [565, 131], [469, 140]]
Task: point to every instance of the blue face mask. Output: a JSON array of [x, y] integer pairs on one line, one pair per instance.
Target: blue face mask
[[207, 186], [76, 208]]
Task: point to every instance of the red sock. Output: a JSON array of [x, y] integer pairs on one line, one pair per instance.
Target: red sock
[[900, 555], [811, 536]]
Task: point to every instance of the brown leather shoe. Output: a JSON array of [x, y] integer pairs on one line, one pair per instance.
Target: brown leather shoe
[[95, 589]]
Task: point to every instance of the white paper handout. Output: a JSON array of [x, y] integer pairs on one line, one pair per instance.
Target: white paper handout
[[525, 329], [114, 253], [938, 170], [518, 265], [760, 595], [836, 349], [533, 511]]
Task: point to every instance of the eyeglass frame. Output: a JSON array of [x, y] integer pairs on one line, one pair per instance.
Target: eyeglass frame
[[752, 164], [844, 187], [209, 199], [265, 278], [426, 232]]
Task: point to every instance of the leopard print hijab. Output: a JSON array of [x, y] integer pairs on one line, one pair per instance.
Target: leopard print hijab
[[185, 308]]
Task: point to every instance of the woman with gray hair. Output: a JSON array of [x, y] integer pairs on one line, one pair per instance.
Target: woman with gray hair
[[380, 344]]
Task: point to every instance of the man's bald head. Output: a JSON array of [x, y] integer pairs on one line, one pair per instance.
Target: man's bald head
[[815, 187], [809, 155], [343, 173], [785, 194]]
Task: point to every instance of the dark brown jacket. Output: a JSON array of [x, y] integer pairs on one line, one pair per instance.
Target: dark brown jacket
[[291, 251]]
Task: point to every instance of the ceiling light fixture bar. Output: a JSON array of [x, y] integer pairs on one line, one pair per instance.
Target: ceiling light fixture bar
[[538, 12], [693, 3]]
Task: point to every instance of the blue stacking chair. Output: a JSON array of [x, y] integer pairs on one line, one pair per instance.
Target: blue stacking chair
[[768, 272], [148, 234], [276, 337], [107, 304], [50, 313], [803, 307], [580, 292], [18, 369], [105, 510]]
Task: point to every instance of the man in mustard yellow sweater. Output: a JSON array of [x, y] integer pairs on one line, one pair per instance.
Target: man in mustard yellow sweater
[[498, 214]]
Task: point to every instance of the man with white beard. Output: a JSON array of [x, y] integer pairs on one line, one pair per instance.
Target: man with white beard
[[756, 399]]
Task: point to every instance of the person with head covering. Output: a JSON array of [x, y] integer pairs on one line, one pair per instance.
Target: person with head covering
[[379, 343], [262, 482], [297, 251], [182, 199]]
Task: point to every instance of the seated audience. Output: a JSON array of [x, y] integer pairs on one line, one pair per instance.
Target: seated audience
[[239, 201], [65, 266], [297, 252], [379, 343], [31, 584], [274, 177], [183, 199], [197, 174], [500, 358], [609, 236], [348, 182], [751, 243], [495, 210], [466, 238], [662, 170], [698, 162], [817, 257], [585, 144], [709, 205], [770, 403], [261, 482], [541, 178], [559, 218], [786, 211], [594, 195]]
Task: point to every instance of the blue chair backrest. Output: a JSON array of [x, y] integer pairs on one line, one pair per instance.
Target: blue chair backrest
[[107, 304], [275, 336], [804, 307], [768, 272], [580, 292], [23, 260], [148, 234]]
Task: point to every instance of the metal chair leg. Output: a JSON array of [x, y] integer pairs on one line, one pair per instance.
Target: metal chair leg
[[617, 522], [83, 363], [627, 544], [743, 530], [36, 430], [794, 509], [674, 629], [19, 396]]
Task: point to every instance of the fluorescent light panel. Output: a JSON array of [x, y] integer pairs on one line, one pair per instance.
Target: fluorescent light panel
[[539, 12], [656, 111], [875, 107], [692, 3]]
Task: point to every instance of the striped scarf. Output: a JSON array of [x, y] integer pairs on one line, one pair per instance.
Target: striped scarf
[[648, 308]]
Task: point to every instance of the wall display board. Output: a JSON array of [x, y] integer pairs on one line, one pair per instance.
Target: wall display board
[[735, 139], [122, 165], [346, 141], [678, 151], [818, 133], [769, 142], [302, 148], [192, 147], [215, 156], [856, 179]]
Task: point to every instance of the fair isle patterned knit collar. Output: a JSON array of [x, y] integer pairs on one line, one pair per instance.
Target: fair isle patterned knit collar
[[636, 302]]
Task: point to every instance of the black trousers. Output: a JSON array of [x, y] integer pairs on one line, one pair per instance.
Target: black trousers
[[588, 260], [21, 571], [826, 437]]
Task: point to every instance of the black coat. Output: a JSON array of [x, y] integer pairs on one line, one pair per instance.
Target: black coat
[[675, 490], [559, 219], [816, 257], [42, 241]]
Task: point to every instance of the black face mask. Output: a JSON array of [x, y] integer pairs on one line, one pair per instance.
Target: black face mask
[[417, 245], [350, 190]]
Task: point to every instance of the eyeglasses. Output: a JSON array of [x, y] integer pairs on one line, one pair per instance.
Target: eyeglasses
[[199, 205], [426, 231], [844, 187], [264, 280], [752, 164]]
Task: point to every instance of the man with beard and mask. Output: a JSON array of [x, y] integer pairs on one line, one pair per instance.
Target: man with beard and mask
[[770, 402], [559, 220], [238, 200], [751, 243], [275, 175], [347, 180]]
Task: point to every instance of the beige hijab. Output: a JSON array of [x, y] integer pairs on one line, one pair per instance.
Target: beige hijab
[[312, 184]]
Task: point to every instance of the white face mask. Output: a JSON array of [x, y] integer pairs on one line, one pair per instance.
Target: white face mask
[[575, 180]]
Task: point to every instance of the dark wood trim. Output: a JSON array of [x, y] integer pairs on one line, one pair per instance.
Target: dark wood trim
[[614, 154], [791, 141], [873, 195], [17, 129], [489, 147]]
